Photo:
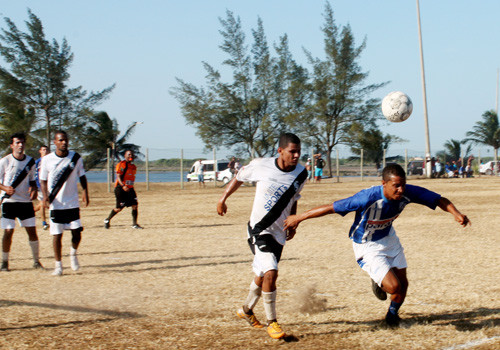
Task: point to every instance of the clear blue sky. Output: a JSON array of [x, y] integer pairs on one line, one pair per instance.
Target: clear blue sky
[[143, 45]]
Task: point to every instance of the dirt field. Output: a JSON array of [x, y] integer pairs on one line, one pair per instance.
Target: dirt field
[[177, 283]]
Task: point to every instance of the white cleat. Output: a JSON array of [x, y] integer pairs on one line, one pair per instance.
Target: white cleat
[[57, 272], [75, 266]]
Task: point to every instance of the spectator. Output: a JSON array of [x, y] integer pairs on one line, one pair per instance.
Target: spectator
[[320, 164]]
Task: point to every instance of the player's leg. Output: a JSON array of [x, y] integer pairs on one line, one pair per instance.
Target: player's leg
[[132, 201], [27, 220], [254, 294], [395, 283], [265, 264], [35, 246], [6, 244], [57, 245], [120, 204], [76, 238]]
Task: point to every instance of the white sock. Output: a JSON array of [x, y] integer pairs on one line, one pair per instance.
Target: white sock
[[5, 256], [72, 251], [270, 304], [253, 295], [58, 265], [35, 248]]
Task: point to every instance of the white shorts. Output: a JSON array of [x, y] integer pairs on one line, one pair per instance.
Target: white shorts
[[263, 262], [378, 257], [57, 229], [7, 224]]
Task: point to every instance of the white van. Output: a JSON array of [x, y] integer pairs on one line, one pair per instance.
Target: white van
[[223, 172]]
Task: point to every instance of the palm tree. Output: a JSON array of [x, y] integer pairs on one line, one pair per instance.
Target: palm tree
[[486, 132], [102, 133]]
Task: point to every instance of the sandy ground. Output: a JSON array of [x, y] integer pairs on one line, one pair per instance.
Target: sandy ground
[[177, 283]]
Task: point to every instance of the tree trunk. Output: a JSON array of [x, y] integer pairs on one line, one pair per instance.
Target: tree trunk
[[47, 130], [329, 160]]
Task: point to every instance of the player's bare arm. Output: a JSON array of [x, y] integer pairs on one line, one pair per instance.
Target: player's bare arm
[[33, 191], [293, 221], [85, 195], [45, 193], [7, 189], [290, 233], [446, 205], [230, 189]]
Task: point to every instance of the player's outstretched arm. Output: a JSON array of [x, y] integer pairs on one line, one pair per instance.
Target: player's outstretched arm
[[293, 221], [446, 205], [230, 189]]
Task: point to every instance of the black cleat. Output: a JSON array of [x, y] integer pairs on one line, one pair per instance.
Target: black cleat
[[392, 320], [379, 292], [106, 224], [38, 266], [5, 266], [137, 227]]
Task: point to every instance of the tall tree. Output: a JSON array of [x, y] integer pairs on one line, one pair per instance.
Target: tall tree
[[245, 112], [486, 132], [15, 118], [454, 150], [102, 133], [372, 141], [38, 76], [339, 93]]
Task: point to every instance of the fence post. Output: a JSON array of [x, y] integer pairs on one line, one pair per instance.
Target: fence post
[[313, 166], [182, 169], [147, 169], [108, 175], [406, 160], [216, 169], [361, 164], [337, 166]]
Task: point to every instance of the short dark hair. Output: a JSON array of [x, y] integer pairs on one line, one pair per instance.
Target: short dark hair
[[44, 146], [393, 169], [17, 135], [62, 132], [287, 138]]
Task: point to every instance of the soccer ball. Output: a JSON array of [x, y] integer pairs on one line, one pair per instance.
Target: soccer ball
[[397, 107]]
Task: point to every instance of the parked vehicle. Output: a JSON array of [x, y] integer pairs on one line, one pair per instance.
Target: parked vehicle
[[415, 167], [223, 172], [488, 167]]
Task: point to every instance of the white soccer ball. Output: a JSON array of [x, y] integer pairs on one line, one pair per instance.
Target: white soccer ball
[[397, 106]]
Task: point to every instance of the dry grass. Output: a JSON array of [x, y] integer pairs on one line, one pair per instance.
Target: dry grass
[[177, 283]]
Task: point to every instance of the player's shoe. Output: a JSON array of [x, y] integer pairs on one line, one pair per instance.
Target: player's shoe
[[251, 319], [392, 320], [57, 272], [37, 265], [45, 226], [137, 227], [379, 292], [5, 266], [75, 266], [274, 330], [106, 224]]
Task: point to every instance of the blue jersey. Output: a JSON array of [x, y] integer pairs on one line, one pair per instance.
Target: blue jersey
[[375, 213]]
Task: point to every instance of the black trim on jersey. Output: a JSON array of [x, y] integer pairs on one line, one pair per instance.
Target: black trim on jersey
[[275, 212], [64, 176], [21, 176]]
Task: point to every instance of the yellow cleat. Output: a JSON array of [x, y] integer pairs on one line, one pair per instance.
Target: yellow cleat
[[251, 319], [274, 330]]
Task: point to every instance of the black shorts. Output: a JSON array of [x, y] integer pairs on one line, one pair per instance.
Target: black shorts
[[266, 243], [64, 216], [125, 198], [21, 210]]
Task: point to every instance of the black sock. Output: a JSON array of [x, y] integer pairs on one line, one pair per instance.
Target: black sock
[[113, 213], [135, 213]]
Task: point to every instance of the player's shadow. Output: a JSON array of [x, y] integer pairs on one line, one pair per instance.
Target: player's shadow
[[119, 267], [464, 321], [110, 314]]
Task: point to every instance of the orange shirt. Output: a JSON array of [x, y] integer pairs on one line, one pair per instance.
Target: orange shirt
[[129, 177]]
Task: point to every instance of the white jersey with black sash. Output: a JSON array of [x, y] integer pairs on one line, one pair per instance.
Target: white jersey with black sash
[[53, 168], [276, 191], [10, 170]]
